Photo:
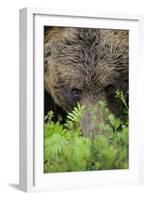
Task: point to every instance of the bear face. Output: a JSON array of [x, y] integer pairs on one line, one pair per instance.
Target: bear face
[[86, 65]]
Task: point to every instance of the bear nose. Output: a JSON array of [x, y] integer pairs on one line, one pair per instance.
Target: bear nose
[[88, 124], [93, 117]]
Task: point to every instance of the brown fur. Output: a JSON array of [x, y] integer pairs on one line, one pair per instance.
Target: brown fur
[[87, 59]]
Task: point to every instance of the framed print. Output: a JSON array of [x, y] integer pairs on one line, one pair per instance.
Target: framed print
[[79, 99]]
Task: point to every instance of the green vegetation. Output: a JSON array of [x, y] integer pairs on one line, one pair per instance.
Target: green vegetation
[[66, 149]]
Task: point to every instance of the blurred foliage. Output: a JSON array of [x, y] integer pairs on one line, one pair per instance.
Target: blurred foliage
[[66, 149]]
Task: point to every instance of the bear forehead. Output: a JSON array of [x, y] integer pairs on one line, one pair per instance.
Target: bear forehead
[[95, 53], [90, 47], [91, 56]]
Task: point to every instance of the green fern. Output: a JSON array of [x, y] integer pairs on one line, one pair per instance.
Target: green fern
[[74, 117], [65, 149], [120, 95]]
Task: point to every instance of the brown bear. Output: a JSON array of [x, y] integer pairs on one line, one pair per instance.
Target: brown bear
[[85, 65]]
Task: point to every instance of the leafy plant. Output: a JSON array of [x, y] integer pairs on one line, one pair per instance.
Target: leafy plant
[[66, 149], [74, 117]]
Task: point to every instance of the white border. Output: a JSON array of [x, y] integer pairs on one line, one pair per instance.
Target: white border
[[31, 98]]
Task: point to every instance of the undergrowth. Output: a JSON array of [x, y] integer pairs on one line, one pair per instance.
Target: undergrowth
[[66, 149]]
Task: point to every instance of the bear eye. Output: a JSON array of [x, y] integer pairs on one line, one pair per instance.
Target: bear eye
[[76, 93], [111, 88]]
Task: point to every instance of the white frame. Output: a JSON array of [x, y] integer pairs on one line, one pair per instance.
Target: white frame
[[31, 93]]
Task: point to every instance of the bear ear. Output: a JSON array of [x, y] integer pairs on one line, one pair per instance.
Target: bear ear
[[53, 33]]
